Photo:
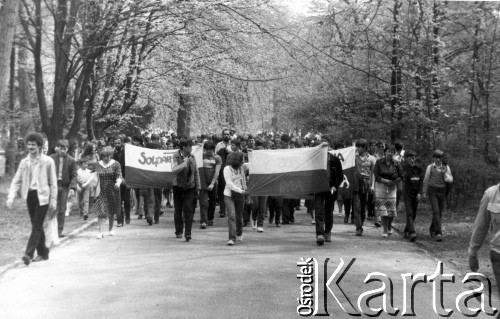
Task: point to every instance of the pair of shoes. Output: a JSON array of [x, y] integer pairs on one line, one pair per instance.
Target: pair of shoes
[[188, 238], [230, 242], [346, 220], [313, 221], [140, 216], [149, 220], [260, 229], [413, 237], [328, 237], [111, 233], [203, 226], [85, 217], [26, 260], [178, 235], [161, 212], [377, 224], [254, 224], [210, 223], [40, 258], [359, 233], [100, 236], [385, 235], [439, 237], [119, 225], [320, 240], [127, 220], [239, 238]]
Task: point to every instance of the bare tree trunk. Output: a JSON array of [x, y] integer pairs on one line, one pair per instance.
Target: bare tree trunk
[[184, 112], [25, 98], [395, 76], [8, 16], [11, 149]]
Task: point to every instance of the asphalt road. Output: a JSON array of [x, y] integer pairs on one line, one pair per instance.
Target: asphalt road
[[145, 272]]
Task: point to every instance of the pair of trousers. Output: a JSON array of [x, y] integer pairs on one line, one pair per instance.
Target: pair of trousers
[[247, 213], [259, 207], [495, 264], [359, 202], [184, 210], [220, 194], [155, 194], [37, 216], [288, 210], [323, 206], [207, 204], [437, 198], [371, 205], [411, 205], [234, 209], [275, 208], [62, 204], [141, 193], [125, 209], [83, 201]]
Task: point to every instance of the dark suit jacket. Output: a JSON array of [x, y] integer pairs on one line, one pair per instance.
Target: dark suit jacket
[[69, 170]]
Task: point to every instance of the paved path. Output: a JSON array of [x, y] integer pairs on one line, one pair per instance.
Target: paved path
[[145, 272]]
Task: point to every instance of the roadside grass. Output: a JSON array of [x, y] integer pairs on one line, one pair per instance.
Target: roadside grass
[[15, 226]]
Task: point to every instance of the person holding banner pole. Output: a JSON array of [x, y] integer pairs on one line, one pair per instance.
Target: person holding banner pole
[[186, 186], [222, 149], [119, 156], [324, 201], [234, 195]]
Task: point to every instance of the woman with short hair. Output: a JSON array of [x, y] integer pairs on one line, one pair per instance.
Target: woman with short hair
[[387, 174], [108, 202], [437, 175]]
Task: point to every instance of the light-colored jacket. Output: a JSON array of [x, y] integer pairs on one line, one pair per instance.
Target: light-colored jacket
[[47, 181], [233, 179], [488, 218]]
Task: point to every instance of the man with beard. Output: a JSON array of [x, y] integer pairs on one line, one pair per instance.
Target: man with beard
[[222, 149], [119, 156]]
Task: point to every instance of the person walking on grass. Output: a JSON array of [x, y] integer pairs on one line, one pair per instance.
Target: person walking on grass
[[36, 179]]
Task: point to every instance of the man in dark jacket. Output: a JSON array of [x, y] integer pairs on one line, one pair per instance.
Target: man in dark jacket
[[154, 193], [119, 156], [186, 186], [413, 180], [66, 180], [324, 202]]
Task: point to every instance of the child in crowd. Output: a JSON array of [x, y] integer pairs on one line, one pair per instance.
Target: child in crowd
[[84, 181]]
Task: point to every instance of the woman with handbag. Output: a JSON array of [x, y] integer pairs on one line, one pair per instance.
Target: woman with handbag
[[436, 177], [234, 195]]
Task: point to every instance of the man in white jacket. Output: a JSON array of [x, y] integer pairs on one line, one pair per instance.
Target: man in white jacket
[[36, 178]]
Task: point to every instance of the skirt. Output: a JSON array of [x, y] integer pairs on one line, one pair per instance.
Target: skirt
[[385, 200]]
